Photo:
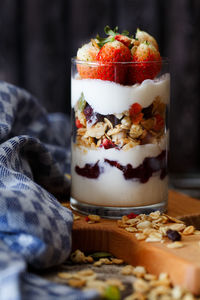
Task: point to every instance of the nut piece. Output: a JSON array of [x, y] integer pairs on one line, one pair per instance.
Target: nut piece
[[139, 271], [77, 257], [117, 261], [177, 226], [188, 230], [140, 236], [127, 270], [135, 131], [141, 286], [76, 217], [89, 259], [154, 237], [96, 131], [126, 122], [102, 261], [155, 215], [131, 229], [77, 283], [94, 218], [145, 224]]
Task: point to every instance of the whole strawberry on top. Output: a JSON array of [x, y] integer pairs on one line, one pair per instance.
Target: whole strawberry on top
[[119, 57]]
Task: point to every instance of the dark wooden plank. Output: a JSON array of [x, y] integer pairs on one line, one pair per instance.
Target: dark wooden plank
[[44, 52], [9, 68]]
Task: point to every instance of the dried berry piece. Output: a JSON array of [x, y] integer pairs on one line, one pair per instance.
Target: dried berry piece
[[90, 115], [78, 123], [132, 215], [107, 144], [173, 235], [159, 122], [135, 113]]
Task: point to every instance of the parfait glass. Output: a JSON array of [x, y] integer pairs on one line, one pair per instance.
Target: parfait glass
[[119, 137]]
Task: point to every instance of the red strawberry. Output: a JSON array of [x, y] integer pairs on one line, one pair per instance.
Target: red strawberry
[[147, 63], [87, 53], [123, 39], [142, 36], [113, 52], [135, 113]]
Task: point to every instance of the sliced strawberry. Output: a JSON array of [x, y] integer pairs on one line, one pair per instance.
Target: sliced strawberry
[[78, 123], [135, 113], [113, 52], [147, 63], [159, 124], [123, 39]]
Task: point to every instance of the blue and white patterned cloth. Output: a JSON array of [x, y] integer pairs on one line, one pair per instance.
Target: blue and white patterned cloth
[[35, 228]]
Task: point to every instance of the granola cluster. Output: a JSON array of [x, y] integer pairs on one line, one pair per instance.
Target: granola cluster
[[141, 284], [123, 131], [157, 227]]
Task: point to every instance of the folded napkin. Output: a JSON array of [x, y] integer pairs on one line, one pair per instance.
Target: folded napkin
[[35, 228]]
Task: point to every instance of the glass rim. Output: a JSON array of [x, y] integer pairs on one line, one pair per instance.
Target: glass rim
[[164, 60]]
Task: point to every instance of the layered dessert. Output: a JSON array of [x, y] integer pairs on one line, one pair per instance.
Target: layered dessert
[[120, 96]]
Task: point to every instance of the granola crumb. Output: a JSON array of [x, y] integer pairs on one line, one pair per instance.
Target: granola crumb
[[127, 270], [175, 245], [90, 219], [157, 227], [76, 217], [117, 261], [77, 283], [188, 230]]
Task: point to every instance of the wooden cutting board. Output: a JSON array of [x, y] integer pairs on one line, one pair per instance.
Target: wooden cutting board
[[182, 264]]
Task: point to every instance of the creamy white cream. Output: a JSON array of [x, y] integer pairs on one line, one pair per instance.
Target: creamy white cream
[[111, 189], [107, 97]]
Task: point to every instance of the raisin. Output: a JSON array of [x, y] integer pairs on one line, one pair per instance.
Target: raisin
[[173, 235]]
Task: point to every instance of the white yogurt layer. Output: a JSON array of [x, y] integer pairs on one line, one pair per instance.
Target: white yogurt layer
[[134, 156], [111, 188], [108, 97]]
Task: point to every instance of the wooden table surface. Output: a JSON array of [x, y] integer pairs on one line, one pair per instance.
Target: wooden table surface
[[182, 205], [183, 264]]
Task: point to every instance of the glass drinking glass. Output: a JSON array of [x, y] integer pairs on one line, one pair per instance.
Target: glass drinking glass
[[119, 137]]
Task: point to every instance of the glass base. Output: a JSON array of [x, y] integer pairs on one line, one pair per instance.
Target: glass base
[[115, 212]]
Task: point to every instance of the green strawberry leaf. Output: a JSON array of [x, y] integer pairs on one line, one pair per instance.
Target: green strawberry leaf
[[125, 32], [109, 31], [81, 102], [111, 35]]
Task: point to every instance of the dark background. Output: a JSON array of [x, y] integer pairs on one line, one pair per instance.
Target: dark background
[[38, 37]]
